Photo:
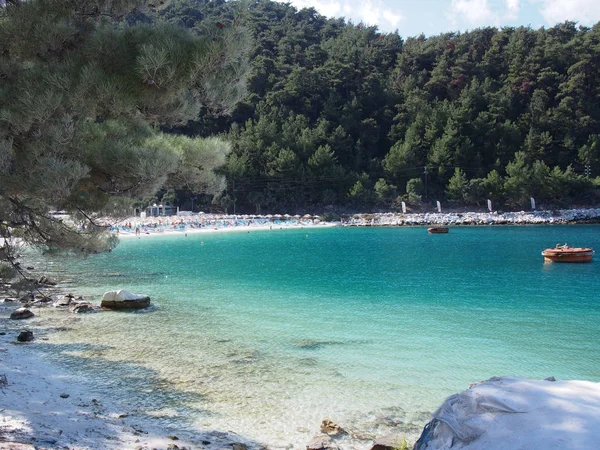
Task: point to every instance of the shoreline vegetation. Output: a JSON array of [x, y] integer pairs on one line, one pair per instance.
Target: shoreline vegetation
[[44, 406]]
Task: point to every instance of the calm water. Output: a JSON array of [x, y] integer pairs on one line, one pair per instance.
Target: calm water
[[267, 333]]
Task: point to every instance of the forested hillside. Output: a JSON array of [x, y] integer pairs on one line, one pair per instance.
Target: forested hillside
[[340, 114]]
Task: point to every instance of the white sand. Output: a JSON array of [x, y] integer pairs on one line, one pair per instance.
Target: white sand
[[169, 231], [32, 410]]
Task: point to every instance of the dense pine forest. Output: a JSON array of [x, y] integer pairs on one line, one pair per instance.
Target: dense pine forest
[[340, 114]]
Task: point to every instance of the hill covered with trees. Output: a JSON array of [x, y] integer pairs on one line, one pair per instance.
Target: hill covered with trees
[[339, 113]]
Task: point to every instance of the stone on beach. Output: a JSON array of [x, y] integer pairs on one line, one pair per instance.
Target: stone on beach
[[63, 300], [123, 299], [13, 445], [21, 313], [505, 412]]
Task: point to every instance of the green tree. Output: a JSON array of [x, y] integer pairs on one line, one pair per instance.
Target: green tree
[[169, 197], [494, 187], [589, 154], [518, 182], [82, 97], [385, 192], [361, 194], [457, 186], [414, 190], [476, 191]]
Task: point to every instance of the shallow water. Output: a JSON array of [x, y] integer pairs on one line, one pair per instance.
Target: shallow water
[[267, 333]]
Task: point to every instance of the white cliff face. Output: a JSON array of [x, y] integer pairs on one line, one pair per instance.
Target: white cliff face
[[510, 413]]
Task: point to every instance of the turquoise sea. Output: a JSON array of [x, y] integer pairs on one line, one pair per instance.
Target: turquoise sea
[[267, 333]]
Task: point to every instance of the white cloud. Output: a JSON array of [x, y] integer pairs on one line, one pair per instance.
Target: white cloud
[[513, 8], [370, 12], [473, 12], [392, 18], [374, 13], [477, 13], [586, 12]]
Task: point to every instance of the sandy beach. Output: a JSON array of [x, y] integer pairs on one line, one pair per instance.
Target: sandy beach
[[184, 225], [42, 406]]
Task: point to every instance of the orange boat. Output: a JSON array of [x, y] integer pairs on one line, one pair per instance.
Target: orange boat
[[566, 254], [437, 230]]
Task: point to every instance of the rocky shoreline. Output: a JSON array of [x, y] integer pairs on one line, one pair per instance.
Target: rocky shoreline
[[543, 217], [46, 407]]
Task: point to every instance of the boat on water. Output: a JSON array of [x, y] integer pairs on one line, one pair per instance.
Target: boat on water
[[437, 230], [566, 254]]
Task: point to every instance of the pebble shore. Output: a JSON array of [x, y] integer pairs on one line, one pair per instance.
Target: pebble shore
[[563, 216]]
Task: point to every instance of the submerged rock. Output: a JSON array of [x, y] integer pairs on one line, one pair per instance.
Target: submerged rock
[[21, 313], [331, 428], [321, 442], [25, 336], [123, 299], [389, 442], [27, 298], [44, 280], [82, 307]]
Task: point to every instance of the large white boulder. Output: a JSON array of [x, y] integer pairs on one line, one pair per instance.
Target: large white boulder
[[515, 413], [123, 299]]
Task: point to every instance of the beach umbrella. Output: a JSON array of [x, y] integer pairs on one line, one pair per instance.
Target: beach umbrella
[[268, 216], [286, 215], [307, 216], [297, 216], [277, 216]]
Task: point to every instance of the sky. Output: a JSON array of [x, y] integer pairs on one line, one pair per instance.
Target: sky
[[431, 17]]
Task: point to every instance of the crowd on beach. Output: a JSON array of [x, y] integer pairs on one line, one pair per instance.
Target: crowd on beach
[[189, 222], [186, 223]]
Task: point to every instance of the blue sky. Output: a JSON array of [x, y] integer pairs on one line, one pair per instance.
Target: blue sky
[[413, 17]]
